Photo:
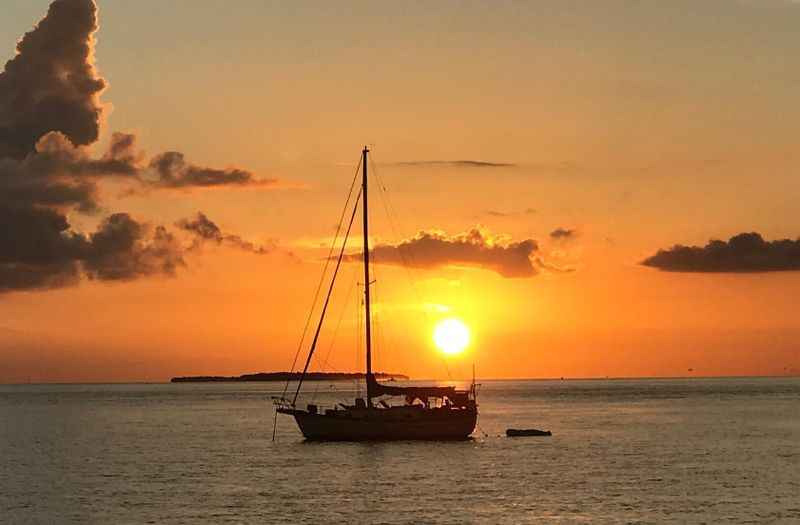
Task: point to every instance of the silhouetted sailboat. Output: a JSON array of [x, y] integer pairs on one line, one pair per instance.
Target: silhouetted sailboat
[[433, 412]]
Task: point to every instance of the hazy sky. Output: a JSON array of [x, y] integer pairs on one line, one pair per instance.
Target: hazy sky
[[637, 125]]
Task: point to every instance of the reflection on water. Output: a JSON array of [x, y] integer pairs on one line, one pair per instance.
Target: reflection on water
[[701, 450]]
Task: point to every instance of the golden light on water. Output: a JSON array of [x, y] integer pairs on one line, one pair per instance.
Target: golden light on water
[[451, 336]]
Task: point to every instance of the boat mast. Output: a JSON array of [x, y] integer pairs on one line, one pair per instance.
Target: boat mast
[[366, 275]]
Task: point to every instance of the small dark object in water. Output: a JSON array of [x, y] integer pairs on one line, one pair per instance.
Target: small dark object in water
[[516, 432]]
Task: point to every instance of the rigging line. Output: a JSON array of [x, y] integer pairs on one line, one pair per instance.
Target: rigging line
[[274, 425], [327, 299], [322, 277], [384, 340], [390, 212], [387, 340], [382, 335], [376, 320], [389, 209], [326, 362], [406, 266], [379, 346], [359, 331], [325, 365]]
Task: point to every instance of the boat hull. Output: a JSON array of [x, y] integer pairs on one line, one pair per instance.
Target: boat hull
[[381, 425]]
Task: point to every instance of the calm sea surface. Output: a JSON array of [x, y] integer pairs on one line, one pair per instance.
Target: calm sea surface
[[624, 451]]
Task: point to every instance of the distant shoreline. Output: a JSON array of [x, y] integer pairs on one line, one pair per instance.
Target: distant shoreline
[[284, 376]]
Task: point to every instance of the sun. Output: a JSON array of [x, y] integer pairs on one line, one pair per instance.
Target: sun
[[451, 336]]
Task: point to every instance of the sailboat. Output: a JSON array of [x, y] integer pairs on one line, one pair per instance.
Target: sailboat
[[426, 412]]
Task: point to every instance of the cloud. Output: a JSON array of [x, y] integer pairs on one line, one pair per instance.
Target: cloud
[[41, 252], [50, 110], [205, 230], [496, 213], [174, 172], [562, 168], [50, 113], [38, 251], [477, 248], [746, 252], [454, 164], [123, 249], [51, 84], [563, 234], [59, 174]]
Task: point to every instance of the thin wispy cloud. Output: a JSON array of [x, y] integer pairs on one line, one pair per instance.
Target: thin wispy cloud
[[452, 164], [529, 168], [504, 214], [206, 231], [563, 234]]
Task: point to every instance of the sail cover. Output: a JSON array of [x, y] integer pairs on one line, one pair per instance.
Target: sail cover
[[375, 389]]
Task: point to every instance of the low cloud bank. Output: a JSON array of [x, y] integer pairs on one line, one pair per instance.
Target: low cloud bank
[[476, 248], [745, 252]]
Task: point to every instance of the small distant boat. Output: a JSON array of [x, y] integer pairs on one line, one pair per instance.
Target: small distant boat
[[522, 432]]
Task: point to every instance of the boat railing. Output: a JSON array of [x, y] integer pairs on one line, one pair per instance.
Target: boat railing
[[285, 404], [282, 402], [320, 408]]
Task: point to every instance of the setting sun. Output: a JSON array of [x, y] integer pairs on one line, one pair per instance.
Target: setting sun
[[451, 336]]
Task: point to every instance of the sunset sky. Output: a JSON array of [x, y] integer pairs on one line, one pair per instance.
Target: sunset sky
[[596, 134]]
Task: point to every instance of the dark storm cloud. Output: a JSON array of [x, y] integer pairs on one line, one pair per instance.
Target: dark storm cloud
[[59, 174], [563, 234], [123, 249], [20, 276], [41, 251], [51, 84], [472, 248], [454, 164], [174, 172], [49, 114], [38, 250], [746, 252], [205, 230]]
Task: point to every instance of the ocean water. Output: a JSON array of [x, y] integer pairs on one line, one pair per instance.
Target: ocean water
[[622, 451]]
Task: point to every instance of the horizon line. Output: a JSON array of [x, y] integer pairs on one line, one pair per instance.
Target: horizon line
[[564, 378]]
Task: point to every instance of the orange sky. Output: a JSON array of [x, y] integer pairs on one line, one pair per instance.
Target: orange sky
[[638, 127]]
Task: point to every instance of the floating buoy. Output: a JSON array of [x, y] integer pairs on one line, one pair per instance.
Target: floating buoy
[[517, 432]]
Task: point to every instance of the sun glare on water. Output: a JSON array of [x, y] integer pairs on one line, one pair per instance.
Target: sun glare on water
[[451, 336]]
